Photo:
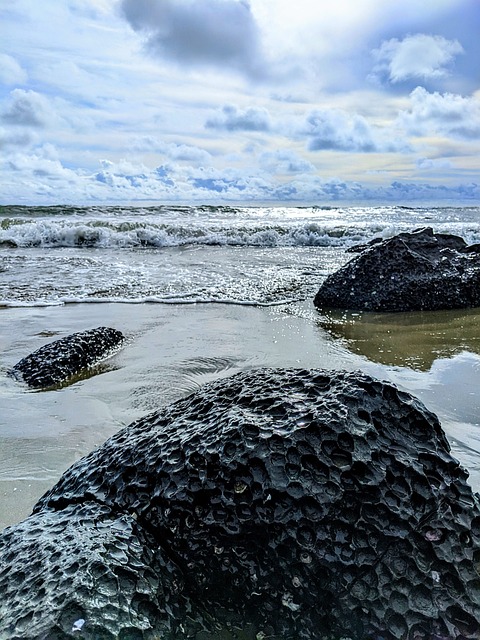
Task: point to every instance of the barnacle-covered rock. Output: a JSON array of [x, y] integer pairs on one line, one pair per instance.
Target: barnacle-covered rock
[[56, 362], [422, 270], [291, 504]]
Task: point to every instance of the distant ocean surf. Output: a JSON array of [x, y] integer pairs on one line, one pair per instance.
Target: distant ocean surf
[[247, 255]]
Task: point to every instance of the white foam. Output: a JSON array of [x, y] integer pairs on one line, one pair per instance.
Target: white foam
[[156, 227], [192, 255], [31, 303], [145, 300], [101, 234]]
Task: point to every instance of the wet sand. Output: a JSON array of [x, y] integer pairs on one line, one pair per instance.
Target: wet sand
[[173, 349]]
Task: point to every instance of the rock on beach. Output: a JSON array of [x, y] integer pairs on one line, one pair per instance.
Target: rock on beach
[[421, 270], [56, 362], [288, 504]]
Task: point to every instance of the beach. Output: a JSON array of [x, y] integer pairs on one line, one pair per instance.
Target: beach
[[235, 293], [218, 420], [173, 349]]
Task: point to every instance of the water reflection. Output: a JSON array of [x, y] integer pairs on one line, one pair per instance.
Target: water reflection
[[435, 355], [414, 339]]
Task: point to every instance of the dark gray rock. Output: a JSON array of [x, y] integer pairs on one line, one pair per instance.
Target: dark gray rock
[[54, 363], [291, 504], [422, 270], [86, 571]]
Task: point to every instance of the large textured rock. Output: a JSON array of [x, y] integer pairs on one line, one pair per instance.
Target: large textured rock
[[290, 504], [86, 572], [411, 271], [55, 363]]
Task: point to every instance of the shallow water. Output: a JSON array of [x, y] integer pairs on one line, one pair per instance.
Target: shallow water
[[414, 339], [172, 350]]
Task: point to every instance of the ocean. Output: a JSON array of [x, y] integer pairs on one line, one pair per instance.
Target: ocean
[[202, 292]]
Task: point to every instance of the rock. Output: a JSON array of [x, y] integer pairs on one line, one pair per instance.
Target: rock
[[289, 504], [85, 568], [422, 270], [55, 363]]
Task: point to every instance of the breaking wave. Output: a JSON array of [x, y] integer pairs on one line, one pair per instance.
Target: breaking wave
[[102, 234], [128, 234], [259, 256]]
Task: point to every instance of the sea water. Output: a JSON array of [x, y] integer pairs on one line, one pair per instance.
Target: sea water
[[201, 293], [61, 255]]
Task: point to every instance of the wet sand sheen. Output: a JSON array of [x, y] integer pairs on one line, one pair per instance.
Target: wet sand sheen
[[413, 339], [173, 350]]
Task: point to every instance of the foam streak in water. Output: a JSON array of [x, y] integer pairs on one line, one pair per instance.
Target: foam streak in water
[[146, 300]]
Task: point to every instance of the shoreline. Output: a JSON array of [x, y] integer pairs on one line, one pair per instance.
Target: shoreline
[[172, 350]]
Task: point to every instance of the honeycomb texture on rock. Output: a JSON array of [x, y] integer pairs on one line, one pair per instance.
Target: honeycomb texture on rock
[[302, 504], [411, 271], [85, 572], [317, 475], [58, 361]]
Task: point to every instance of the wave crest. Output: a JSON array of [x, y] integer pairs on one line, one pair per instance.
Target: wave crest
[[102, 234]]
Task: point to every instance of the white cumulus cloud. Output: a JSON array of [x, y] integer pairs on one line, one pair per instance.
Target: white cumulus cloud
[[11, 138], [419, 56], [285, 161], [176, 151], [431, 164], [43, 166], [27, 108], [442, 114], [187, 92], [338, 130], [10, 71], [45, 177]]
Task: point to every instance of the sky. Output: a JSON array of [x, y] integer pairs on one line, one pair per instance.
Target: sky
[[240, 101]]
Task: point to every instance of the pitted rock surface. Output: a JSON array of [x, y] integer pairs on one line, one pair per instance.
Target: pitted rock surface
[[291, 504], [422, 270], [55, 363], [82, 572]]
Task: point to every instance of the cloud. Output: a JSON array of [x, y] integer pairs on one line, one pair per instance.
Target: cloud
[[337, 130], [10, 71], [419, 56], [45, 179], [10, 138], [89, 8], [172, 150], [431, 164], [218, 33], [27, 108], [92, 93], [185, 153], [42, 166], [219, 185], [329, 43], [415, 191], [444, 114], [231, 118], [284, 161]]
